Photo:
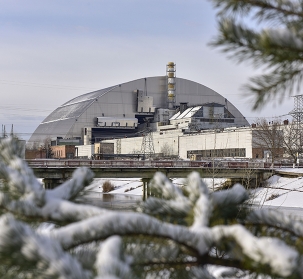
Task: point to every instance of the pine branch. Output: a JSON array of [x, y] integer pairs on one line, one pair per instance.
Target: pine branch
[[21, 246], [281, 259], [268, 86], [59, 211], [279, 51], [199, 261], [110, 262], [70, 189], [129, 224], [276, 219], [267, 9], [271, 47]]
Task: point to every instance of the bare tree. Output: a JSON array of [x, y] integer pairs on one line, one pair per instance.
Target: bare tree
[[44, 146], [166, 149], [268, 136], [293, 139]]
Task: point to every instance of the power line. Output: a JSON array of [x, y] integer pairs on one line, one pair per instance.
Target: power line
[[23, 83]]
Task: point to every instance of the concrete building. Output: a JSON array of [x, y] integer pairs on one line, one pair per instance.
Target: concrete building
[[228, 142], [63, 151], [84, 151]]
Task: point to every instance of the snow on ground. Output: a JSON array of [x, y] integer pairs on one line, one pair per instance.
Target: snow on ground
[[281, 192], [286, 193], [131, 186], [134, 186], [295, 170]]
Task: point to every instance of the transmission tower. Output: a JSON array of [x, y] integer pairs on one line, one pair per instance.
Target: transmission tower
[[147, 147], [297, 114]]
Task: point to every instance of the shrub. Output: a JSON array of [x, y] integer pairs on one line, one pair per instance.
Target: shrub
[[272, 197], [108, 186]]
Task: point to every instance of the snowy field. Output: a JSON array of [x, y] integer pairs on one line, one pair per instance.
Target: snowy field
[[283, 193], [134, 186]]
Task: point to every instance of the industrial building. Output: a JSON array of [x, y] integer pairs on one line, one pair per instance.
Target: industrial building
[[172, 112], [126, 108]]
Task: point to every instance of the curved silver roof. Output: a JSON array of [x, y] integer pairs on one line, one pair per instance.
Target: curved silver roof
[[69, 119], [75, 107]]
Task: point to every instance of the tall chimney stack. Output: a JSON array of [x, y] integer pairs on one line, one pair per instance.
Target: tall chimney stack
[[171, 84]]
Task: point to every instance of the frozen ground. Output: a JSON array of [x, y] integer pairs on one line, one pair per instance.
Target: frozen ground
[[133, 186], [285, 194], [281, 192]]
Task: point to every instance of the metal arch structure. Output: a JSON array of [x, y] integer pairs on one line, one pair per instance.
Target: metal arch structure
[[72, 117]]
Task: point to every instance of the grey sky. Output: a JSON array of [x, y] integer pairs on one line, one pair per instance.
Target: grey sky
[[52, 51]]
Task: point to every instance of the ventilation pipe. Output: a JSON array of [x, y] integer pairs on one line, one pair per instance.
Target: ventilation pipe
[[171, 84]]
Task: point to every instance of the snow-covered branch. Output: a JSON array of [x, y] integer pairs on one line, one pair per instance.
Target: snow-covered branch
[[274, 43], [22, 247], [24, 195], [173, 234], [111, 263], [129, 223], [282, 259], [276, 219]]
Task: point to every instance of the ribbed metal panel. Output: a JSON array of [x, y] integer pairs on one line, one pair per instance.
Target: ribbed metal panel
[[70, 111], [121, 101]]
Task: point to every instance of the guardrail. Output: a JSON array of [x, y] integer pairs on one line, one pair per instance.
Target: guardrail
[[40, 163]]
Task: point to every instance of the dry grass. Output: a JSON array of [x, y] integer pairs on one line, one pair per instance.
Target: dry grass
[[273, 196], [108, 186]]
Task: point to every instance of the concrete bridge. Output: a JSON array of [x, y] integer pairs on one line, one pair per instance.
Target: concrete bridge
[[55, 172]]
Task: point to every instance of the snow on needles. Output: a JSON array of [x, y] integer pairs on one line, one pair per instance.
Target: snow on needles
[[110, 262], [78, 224], [281, 258]]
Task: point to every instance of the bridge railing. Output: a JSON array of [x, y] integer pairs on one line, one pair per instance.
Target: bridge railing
[[74, 163]]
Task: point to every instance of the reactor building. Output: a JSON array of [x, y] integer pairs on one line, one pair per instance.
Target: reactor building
[[125, 110]]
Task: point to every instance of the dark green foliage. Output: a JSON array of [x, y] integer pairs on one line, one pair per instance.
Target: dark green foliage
[[179, 233], [274, 43]]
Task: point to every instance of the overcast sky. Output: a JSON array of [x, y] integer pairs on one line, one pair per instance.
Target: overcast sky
[[54, 50]]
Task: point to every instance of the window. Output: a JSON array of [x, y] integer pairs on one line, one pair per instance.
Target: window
[[234, 152]]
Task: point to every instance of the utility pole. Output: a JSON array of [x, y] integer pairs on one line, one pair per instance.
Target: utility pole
[[12, 130], [4, 132]]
